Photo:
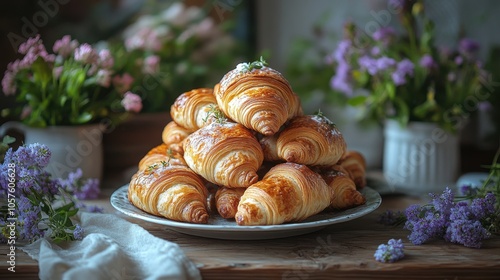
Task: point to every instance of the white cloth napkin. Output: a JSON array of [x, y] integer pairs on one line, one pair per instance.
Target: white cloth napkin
[[112, 248]]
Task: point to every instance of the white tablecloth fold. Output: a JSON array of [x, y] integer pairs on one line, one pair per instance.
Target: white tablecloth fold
[[112, 248]]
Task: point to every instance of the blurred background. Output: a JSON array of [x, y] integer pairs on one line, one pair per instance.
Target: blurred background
[[292, 35]]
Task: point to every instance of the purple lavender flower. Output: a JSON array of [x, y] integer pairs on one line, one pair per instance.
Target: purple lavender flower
[[427, 61], [483, 207], [469, 233], [390, 217], [369, 64], [468, 46], [341, 80], [459, 60], [444, 202], [89, 190], [393, 251], [384, 34], [397, 5], [30, 216], [81, 188], [78, 232], [404, 68], [468, 190], [342, 50]]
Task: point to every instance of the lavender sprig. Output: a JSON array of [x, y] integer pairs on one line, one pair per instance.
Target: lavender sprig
[[390, 252], [41, 206]]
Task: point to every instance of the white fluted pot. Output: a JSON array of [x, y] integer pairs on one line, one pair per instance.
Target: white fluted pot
[[420, 158]]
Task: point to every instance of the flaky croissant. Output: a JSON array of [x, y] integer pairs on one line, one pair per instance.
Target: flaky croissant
[[173, 135], [190, 109], [345, 193], [260, 99], [224, 153], [161, 153], [288, 192], [227, 200], [172, 191], [268, 144], [355, 164], [311, 140]]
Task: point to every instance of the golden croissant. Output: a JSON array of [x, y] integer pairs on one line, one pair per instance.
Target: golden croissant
[[224, 153], [161, 153], [173, 134], [288, 192], [355, 164], [311, 140], [227, 200], [345, 193], [191, 109], [260, 99], [172, 191], [268, 144]]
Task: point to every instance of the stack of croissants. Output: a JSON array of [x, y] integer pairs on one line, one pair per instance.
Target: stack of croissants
[[245, 150]]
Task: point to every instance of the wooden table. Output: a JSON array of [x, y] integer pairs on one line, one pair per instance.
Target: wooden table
[[341, 251]]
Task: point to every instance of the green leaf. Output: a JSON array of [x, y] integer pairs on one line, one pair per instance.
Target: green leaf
[[357, 100], [83, 118]]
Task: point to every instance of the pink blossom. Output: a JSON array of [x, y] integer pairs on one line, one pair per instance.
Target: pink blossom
[[104, 77], [65, 46], [86, 54], [56, 72], [145, 39], [151, 64], [31, 43], [25, 112], [132, 102], [106, 59], [123, 83], [8, 83]]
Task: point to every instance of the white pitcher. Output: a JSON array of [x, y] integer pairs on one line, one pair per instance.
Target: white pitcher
[[71, 147]]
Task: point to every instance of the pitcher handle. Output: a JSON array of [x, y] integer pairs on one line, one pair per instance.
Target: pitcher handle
[[11, 125]]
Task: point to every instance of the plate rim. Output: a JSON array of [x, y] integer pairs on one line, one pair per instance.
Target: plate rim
[[122, 192]]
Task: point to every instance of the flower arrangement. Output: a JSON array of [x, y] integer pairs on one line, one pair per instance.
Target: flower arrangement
[[465, 220], [39, 205], [75, 85], [180, 48], [405, 76]]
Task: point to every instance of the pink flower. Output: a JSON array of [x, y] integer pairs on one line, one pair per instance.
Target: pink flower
[[56, 72], [65, 46], [132, 102], [106, 59], [123, 83], [33, 42], [86, 54], [25, 112], [8, 83], [104, 77], [151, 65]]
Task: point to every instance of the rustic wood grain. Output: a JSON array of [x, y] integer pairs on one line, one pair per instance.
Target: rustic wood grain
[[340, 251]]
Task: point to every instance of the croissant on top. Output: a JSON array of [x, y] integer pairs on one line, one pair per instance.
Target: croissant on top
[[288, 192], [172, 191], [261, 99], [190, 109], [224, 153], [311, 140]]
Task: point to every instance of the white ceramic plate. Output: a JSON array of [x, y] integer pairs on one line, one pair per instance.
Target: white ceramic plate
[[220, 228]]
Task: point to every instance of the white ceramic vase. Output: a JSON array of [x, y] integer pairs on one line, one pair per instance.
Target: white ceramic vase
[[421, 158], [71, 147]]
